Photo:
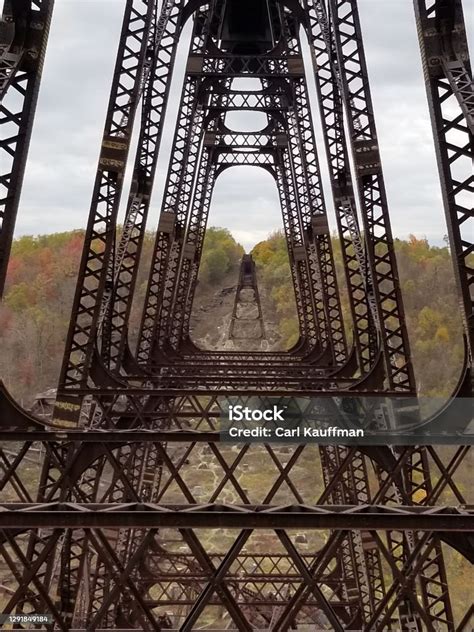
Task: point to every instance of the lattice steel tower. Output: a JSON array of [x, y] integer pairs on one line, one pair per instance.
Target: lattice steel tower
[[143, 518]]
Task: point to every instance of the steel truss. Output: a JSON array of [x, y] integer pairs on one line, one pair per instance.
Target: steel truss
[[76, 515], [24, 28], [257, 582], [448, 74], [143, 518]]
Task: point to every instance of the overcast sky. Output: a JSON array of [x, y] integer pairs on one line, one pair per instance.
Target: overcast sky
[[72, 105]]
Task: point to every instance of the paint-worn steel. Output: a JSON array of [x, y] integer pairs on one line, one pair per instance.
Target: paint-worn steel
[[143, 519]]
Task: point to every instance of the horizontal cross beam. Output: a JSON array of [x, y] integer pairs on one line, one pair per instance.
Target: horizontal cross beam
[[149, 515]]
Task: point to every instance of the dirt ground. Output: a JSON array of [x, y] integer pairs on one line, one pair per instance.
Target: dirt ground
[[212, 312]]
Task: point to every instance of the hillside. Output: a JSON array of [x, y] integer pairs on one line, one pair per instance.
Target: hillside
[[35, 313], [430, 299]]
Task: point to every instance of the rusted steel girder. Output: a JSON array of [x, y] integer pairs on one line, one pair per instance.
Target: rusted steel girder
[[24, 26]]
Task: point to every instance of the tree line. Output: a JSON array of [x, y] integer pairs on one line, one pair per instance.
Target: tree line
[[430, 300], [35, 313]]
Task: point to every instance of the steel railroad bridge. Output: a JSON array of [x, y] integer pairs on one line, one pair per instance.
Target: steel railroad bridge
[[121, 533]]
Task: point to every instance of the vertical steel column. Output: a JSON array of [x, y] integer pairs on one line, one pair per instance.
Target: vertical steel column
[[21, 67], [172, 223], [124, 267], [372, 194], [197, 221], [101, 228], [307, 315], [192, 248], [358, 276], [313, 207], [174, 210], [450, 92]]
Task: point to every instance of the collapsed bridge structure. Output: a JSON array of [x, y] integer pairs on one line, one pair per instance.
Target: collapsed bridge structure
[[143, 518]]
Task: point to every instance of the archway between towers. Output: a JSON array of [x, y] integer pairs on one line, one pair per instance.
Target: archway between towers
[[245, 217]]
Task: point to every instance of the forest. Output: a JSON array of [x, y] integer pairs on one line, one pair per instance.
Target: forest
[[35, 313]]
